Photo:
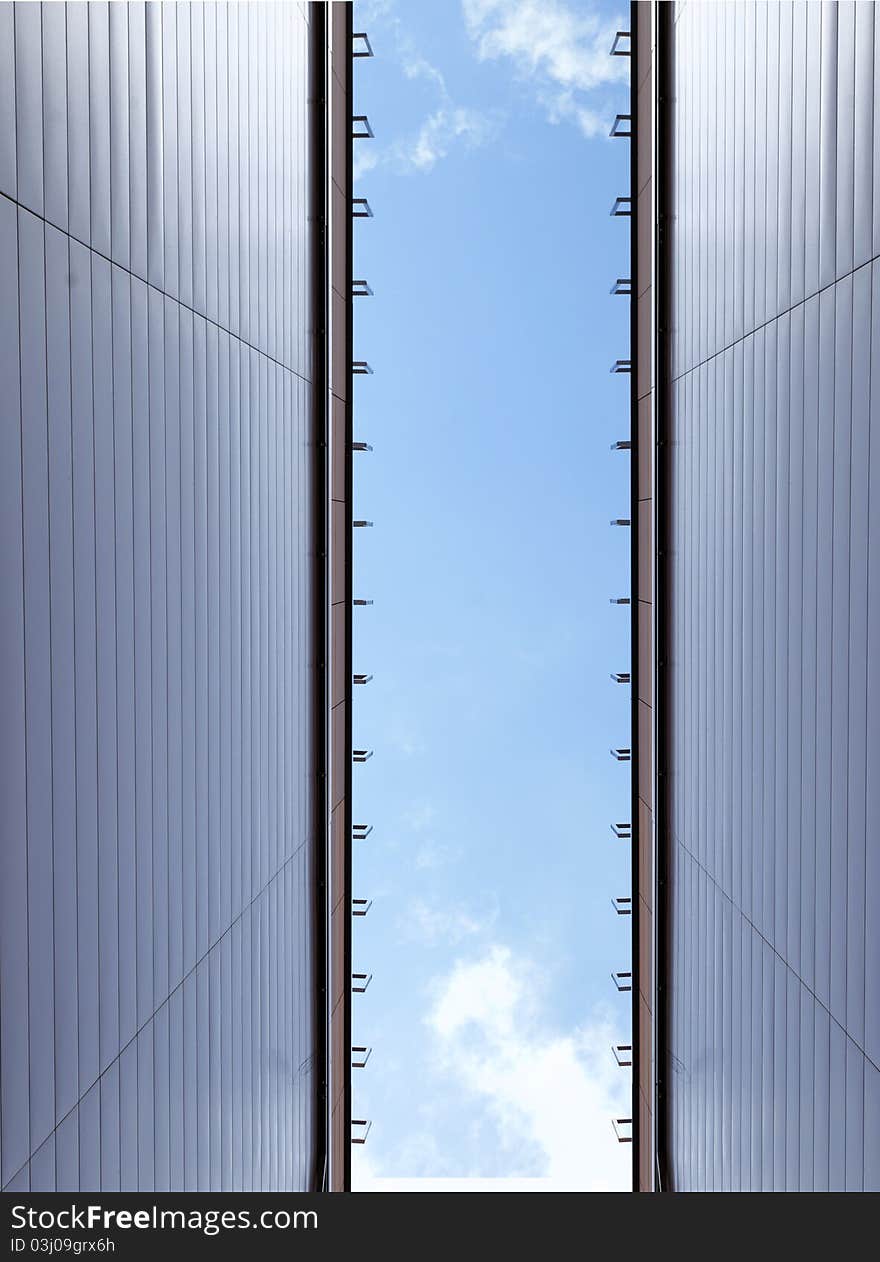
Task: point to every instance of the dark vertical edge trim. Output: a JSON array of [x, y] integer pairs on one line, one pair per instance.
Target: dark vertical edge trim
[[318, 135], [663, 90], [634, 586], [349, 557]]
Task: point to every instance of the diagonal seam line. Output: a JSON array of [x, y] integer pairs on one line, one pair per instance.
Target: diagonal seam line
[[171, 297], [294, 855], [686, 372], [766, 941]]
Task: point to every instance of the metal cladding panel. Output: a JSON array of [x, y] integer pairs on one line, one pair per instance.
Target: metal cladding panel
[[157, 591], [773, 1041]]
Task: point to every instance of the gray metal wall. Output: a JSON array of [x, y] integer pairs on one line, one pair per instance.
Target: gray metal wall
[[774, 1057], [156, 569]]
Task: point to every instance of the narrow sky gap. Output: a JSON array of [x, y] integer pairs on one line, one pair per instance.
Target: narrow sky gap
[[491, 412]]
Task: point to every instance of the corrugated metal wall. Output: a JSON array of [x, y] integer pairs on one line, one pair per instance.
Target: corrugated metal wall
[[156, 568], [774, 1064], [339, 112], [642, 28]]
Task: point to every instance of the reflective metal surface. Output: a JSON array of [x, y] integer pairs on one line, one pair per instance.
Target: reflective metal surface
[[773, 1063], [156, 669]]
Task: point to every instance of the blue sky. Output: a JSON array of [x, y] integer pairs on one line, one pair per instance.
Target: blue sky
[[491, 411]]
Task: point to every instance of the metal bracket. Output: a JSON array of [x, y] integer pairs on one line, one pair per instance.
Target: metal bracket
[[615, 521], [622, 365], [623, 1054], [617, 49], [622, 831], [361, 447], [360, 1056], [366, 48], [360, 1121], [361, 832], [360, 906], [361, 679], [360, 289], [361, 368], [622, 755], [361, 755], [623, 982], [623, 285], [360, 982], [364, 212], [361, 129], [618, 1123], [362, 523], [620, 600], [358, 601], [620, 676], [622, 208], [616, 127], [622, 444], [622, 905]]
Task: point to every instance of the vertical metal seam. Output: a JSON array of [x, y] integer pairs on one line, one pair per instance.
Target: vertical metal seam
[[662, 85], [634, 593], [349, 558], [319, 133]]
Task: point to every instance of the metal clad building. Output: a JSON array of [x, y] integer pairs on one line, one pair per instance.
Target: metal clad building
[[766, 269], [163, 379]]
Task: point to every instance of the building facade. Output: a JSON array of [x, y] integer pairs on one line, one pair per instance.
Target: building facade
[[757, 406], [174, 366]]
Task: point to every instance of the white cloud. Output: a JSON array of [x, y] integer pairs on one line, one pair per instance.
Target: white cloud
[[431, 855], [420, 816], [545, 37], [428, 854], [363, 161], [446, 126], [538, 1100], [370, 12], [441, 130], [368, 1181], [546, 1091], [417, 67], [433, 925], [564, 52], [402, 732]]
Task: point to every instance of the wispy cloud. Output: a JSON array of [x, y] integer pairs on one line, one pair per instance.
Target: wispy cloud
[[437, 925], [402, 732], [444, 128], [547, 1092], [539, 1100], [561, 51], [415, 66], [369, 12], [447, 126], [430, 855], [363, 161], [419, 816]]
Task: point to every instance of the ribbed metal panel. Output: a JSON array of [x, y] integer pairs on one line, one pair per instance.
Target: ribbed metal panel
[[157, 558], [773, 1065]]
